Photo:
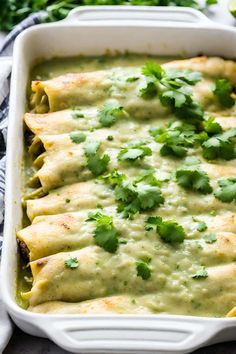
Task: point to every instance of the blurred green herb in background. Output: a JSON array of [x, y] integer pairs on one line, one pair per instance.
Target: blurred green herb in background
[[14, 11]]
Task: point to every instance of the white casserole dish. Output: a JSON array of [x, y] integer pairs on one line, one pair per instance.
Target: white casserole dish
[[91, 31]]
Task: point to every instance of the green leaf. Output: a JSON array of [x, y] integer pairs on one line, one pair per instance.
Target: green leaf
[[105, 234], [114, 178], [71, 263], [200, 274], [192, 178], [132, 79], [188, 76], [109, 113], [212, 127], [76, 114], [143, 270], [227, 191], [223, 90], [77, 137], [96, 164], [210, 238], [149, 91], [137, 197], [169, 230], [134, 152], [153, 70], [201, 225], [176, 138], [220, 146]]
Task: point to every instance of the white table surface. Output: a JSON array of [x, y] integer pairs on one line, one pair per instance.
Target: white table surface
[[22, 343]]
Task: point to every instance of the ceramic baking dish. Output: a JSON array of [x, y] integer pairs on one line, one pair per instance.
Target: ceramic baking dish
[[91, 31]]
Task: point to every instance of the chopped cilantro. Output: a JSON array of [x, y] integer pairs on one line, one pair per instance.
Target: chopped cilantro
[[132, 79], [105, 234], [194, 179], [96, 164], [211, 126], [220, 146], [67, 200], [109, 113], [223, 90], [134, 151], [114, 178], [71, 263], [77, 137], [200, 274], [169, 230], [227, 190], [149, 91], [201, 225], [76, 114], [143, 270], [177, 137], [110, 138], [210, 238]]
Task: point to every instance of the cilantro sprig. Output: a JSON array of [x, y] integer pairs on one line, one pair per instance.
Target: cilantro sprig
[[223, 91], [134, 151], [109, 113], [192, 178], [135, 196], [169, 230], [173, 88], [105, 234], [220, 146], [227, 191], [96, 164], [177, 138]]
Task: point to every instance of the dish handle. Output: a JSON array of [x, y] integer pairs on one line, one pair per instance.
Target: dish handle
[[126, 334], [170, 15]]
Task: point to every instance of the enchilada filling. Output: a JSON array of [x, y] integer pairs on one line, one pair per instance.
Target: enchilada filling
[[131, 190]]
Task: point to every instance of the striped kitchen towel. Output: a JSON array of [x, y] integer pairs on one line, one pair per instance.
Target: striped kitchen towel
[[5, 74]]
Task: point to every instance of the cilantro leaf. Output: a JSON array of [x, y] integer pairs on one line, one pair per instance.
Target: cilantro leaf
[[176, 138], [223, 90], [138, 197], [169, 230], [173, 89], [227, 191], [71, 263], [105, 234], [114, 178], [76, 114], [201, 225], [134, 151], [200, 274], [211, 126], [153, 70], [220, 146], [188, 76], [149, 91], [132, 79], [192, 178], [143, 270], [96, 164], [210, 238], [77, 137], [109, 113]]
